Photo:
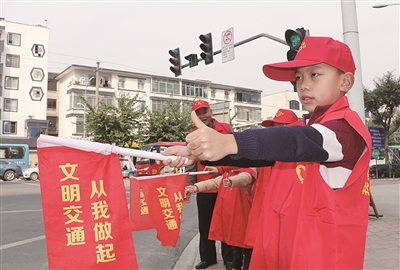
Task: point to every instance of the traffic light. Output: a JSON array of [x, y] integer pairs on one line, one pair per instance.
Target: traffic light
[[176, 62], [207, 48], [294, 38], [192, 58]]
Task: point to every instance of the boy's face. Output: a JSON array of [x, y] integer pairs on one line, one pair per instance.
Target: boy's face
[[321, 85]]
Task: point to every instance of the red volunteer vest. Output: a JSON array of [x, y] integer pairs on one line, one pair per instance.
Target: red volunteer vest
[[231, 210], [259, 189], [304, 223]]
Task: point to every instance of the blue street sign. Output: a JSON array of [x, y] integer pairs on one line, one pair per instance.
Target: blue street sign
[[378, 137]]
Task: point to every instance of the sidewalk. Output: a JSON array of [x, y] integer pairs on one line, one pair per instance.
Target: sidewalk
[[383, 236]]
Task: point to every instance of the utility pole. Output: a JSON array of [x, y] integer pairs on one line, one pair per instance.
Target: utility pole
[[96, 100]]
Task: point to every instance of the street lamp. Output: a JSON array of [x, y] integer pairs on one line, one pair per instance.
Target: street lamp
[[385, 5]]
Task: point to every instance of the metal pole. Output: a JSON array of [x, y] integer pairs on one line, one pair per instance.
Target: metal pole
[[350, 35], [96, 100], [84, 121], [245, 41], [84, 114]]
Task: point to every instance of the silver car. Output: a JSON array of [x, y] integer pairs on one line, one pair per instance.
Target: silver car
[[9, 170], [31, 174]]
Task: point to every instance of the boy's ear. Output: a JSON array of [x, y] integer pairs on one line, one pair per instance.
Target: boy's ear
[[347, 82]]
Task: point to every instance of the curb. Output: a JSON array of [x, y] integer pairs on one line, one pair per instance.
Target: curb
[[189, 255]]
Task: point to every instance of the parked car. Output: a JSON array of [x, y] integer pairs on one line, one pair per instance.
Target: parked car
[[128, 173], [31, 173], [9, 170]]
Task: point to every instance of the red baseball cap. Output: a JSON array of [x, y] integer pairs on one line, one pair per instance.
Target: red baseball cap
[[200, 104], [282, 116], [313, 51]]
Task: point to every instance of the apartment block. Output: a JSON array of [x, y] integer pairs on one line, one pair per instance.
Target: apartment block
[[233, 104], [23, 84]]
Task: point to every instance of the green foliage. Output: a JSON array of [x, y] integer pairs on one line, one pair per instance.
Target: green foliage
[[170, 124], [383, 103], [120, 125]]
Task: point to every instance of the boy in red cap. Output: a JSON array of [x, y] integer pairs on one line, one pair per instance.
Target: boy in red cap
[[315, 210], [282, 117]]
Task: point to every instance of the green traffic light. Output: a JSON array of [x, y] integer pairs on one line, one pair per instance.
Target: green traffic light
[[192, 58], [295, 40]]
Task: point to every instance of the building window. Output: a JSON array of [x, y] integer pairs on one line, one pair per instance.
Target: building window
[[140, 84], [10, 105], [9, 127], [14, 39], [158, 105], [38, 50], [244, 96], [75, 98], [294, 105], [186, 107], [226, 94], [121, 83], [105, 82], [53, 123], [12, 60], [52, 86], [141, 106], [79, 125], [37, 74], [213, 93], [194, 90], [36, 93], [248, 114], [51, 104], [12, 83], [165, 87]]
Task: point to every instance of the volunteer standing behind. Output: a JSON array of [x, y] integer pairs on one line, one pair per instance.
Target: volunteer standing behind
[[206, 200]]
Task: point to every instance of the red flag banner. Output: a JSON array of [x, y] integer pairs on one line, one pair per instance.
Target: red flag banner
[[85, 210], [138, 210], [160, 205]]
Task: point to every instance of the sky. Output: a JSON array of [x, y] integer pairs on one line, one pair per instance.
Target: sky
[[137, 35]]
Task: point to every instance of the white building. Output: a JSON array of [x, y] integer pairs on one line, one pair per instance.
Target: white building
[[241, 105], [282, 100], [23, 87]]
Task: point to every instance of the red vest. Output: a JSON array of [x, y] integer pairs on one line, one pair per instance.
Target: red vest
[[259, 189], [223, 128], [304, 223], [231, 210]]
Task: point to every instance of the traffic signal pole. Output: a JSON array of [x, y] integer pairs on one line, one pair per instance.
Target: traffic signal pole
[[350, 36], [246, 41]]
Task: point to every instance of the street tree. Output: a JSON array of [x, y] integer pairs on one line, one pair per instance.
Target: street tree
[[383, 103], [120, 124], [170, 124]]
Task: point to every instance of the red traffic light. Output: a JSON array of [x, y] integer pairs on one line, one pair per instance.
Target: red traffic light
[[176, 67]]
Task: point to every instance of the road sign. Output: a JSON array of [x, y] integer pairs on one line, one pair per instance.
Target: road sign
[[375, 153], [227, 46], [378, 137]]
